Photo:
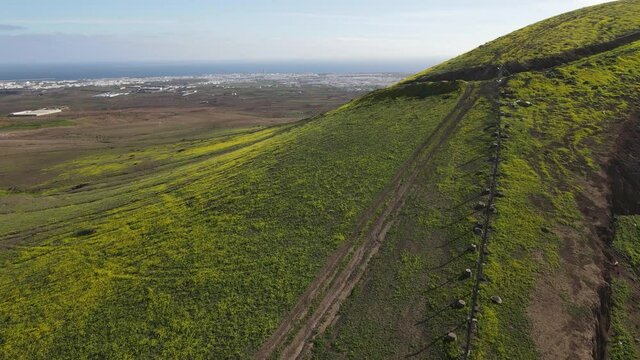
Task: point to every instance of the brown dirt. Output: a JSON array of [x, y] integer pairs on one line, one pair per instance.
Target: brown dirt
[[334, 283], [566, 307], [562, 310], [624, 169], [136, 121], [586, 259]]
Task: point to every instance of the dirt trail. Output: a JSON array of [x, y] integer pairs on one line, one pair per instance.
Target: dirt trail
[[335, 282]]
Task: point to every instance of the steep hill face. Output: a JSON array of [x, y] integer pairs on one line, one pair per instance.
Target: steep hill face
[[466, 212], [557, 108]]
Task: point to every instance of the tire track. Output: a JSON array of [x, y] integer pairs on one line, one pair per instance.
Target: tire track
[[334, 283]]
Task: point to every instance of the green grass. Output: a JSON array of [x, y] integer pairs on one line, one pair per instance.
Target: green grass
[[385, 315], [32, 125], [627, 240], [624, 336], [624, 303], [204, 258], [118, 163], [554, 147]]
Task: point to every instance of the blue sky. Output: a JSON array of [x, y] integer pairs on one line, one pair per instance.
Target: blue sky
[[253, 30]]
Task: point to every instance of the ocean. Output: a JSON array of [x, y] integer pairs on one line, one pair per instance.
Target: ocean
[[141, 70]]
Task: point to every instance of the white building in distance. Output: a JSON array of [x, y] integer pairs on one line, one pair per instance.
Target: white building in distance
[[40, 112]]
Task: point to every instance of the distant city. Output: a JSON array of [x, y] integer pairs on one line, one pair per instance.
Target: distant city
[[186, 85]]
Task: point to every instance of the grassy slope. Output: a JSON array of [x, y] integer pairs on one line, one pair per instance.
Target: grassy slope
[[625, 300], [554, 149], [551, 37], [202, 256], [627, 240], [402, 307]]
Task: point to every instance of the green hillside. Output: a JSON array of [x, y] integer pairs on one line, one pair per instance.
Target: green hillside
[[203, 256], [348, 235], [561, 137]]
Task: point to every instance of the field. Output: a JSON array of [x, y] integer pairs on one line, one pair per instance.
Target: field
[[129, 123], [484, 209], [31, 125]]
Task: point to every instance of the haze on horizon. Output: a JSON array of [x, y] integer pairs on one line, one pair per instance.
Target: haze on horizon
[[72, 31]]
